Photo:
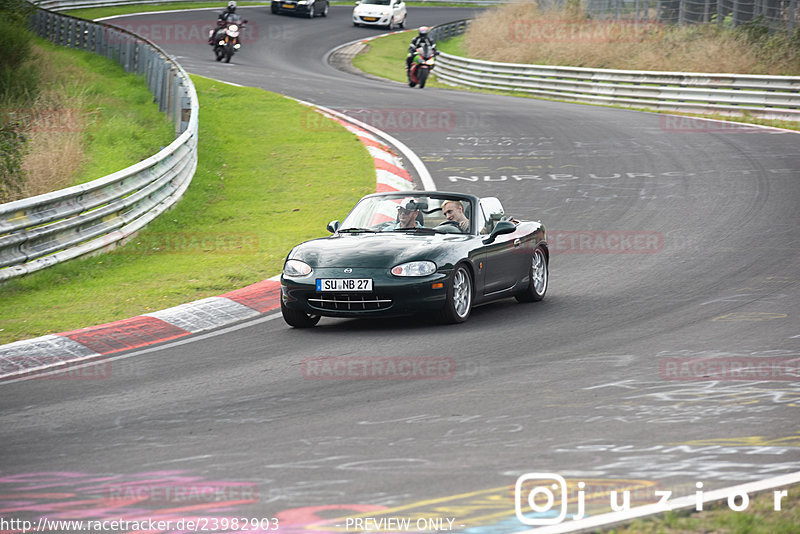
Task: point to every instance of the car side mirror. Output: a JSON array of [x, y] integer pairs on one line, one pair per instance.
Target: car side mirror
[[333, 226], [502, 227]]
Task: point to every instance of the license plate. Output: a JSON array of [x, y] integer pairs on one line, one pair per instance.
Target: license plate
[[344, 284], [370, 19], [288, 6]]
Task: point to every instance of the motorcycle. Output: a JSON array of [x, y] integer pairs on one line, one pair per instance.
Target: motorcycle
[[421, 65], [225, 38]]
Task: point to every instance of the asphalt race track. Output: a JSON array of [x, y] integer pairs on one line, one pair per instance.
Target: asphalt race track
[[674, 243]]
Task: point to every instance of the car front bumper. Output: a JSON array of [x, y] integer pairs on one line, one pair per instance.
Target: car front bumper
[[291, 7], [390, 296], [372, 20]]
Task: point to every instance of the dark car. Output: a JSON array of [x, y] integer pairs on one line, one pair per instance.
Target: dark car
[[307, 8], [404, 253]]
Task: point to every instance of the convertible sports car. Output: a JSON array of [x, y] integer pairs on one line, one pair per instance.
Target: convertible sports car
[[404, 253]]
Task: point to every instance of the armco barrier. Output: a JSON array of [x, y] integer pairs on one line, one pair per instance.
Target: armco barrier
[[41, 231], [771, 97]]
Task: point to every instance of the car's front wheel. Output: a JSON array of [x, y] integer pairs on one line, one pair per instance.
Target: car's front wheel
[[459, 297], [538, 278], [298, 318]]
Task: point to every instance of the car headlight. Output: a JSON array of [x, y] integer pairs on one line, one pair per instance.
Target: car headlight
[[296, 268], [414, 268]]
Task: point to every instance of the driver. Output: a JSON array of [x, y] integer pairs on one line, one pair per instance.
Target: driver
[[406, 217], [454, 211]]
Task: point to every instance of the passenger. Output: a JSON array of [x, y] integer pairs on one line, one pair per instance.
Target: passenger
[[454, 211]]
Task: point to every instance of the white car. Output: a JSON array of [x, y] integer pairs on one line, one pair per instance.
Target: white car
[[389, 13]]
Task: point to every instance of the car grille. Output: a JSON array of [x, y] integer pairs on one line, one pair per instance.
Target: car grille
[[367, 301]]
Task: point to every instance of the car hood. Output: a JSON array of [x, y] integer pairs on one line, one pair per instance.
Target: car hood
[[371, 9], [373, 251]]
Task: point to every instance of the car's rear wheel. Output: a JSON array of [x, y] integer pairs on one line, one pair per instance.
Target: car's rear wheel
[[459, 297], [538, 278], [298, 318]]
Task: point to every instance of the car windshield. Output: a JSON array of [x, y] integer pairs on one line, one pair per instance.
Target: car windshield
[[377, 2], [409, 213]]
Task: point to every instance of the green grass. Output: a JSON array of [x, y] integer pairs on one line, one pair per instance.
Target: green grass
[[111, 11], [124, 126], [270, 175], [760, 517], [383, 55]]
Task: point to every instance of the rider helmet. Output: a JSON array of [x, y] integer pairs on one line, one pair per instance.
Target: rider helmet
[[232, 6], [423, 31]]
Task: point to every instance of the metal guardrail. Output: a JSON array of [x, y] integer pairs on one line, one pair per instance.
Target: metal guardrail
[[41, 231], [771, 97]]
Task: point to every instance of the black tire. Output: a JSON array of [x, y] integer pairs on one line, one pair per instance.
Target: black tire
[[324, 11], [538, 277], [312, 11], [390, 26], [403, 22], [274, 9], [298, 319], [459, 297], [218, 54], [228, 56], [423, 77]]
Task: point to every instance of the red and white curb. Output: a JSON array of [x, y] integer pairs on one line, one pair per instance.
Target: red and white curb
[[42, 355]]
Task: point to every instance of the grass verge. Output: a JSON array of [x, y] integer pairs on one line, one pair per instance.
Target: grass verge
[[385, 57], [92, 13], [270, 174], [98, 12], [522, 33], [760, 517], [89, 118]]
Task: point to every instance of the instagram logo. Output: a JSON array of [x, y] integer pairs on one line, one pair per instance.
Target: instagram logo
[[540, 498]]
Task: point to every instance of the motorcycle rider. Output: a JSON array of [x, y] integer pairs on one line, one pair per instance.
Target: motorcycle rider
[[418, 41], [230, 10], [221, 20]]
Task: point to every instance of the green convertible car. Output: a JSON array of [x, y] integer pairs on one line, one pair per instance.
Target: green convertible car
[[412, 252]]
